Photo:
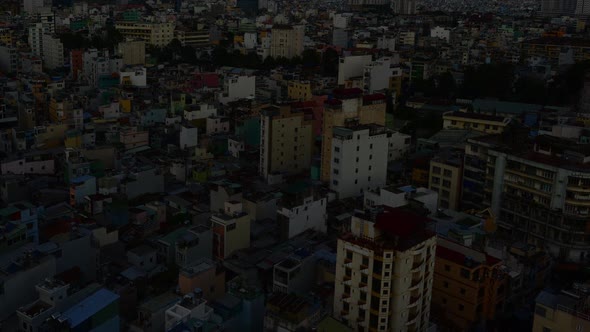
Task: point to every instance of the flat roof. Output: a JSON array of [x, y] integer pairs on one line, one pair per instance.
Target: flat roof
[[90, 306]]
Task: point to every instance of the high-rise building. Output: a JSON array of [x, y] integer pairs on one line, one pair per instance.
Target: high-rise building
[[540, 193], [446, 170], [362, 4], [582, 7], [404, 7], [286, 140], [384, 272], [287, 41], [53, 52], [347, 108], [558, 7], [469, 285], [359, 160]]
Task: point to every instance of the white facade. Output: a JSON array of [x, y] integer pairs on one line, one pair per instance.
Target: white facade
[[53, 52], [189, 137], [217, 125], [386, 43], [29, 166], [399, 145], [238, 87], [134, 76], [352, 66], [201, 111], [398, 197], [110, 111], [250, 40], [377, 75], [340, 21], [235, 146], [311, 214], [359, 160], [440, 32]]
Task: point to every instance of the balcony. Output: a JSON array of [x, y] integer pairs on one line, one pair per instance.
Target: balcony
[[416, 282], [413, 317], [344, 313], [377, 275], [346, 277], [413, 301], [417, 264]]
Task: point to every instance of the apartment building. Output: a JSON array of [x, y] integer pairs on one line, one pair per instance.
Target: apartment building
[[286, 140], [565, 311], [348, 108], [474, 174], [384, 272], [489, 124], [359, 159], [132, 52], [446, 170], [352, 66], [9, 59], [231, 230], [299, 90], [540, 194], [469, 285], [157, 34], [195, 38], [286, 41], [299, 212], [53, 52]]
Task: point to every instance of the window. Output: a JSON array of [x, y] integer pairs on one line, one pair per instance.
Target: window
[[462, 291], [448, 268], [358, 148], [445, 284], [465, 273], [435, 180], [336, 149], [336, 160], [336, 171], [335, 182], [366, 261], [370, 157], [230, 227], [448, 173], [446, 183], [461, 307], [436, 170]]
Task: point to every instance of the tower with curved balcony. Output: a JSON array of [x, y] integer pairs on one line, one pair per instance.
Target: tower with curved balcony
[[384, 271]]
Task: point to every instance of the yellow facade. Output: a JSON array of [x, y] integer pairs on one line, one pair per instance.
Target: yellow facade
[[287, 141], [125, 105], [158, 34], [299, 90], [468, 286], [445, 179], [6, 37], [560, 317], [478, 122]]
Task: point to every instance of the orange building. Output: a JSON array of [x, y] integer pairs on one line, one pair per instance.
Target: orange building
[[469, 286], [204, 275]]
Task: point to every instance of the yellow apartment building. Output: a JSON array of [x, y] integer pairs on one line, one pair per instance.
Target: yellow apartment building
[[348, 108], [384, 272], [488, 124], [565, 311], [158, 34], [286, 141], [299, 90], [445, 178], [469, 286]]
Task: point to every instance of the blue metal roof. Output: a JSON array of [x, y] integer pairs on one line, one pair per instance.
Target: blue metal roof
[[90, 306]]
